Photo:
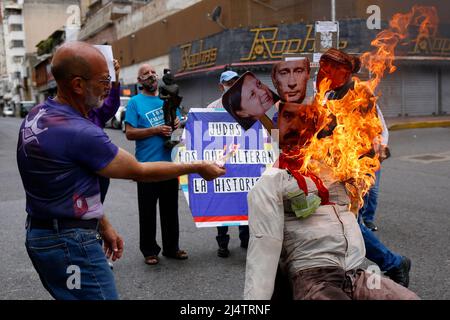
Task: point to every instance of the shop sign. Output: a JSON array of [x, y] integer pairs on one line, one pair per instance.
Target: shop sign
[[267, 44], [195, 59]]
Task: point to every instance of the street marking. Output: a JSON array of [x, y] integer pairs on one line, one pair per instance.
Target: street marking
[[427, 157]]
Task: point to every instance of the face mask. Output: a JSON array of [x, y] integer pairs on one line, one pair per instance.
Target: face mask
[[150, 83], [225, 88], [150, 88]]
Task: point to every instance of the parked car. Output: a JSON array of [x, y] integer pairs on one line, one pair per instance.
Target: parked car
[[8, 111], [122, 118], [116, 122], [25, 107]]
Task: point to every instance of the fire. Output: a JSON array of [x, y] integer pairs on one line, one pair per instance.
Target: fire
[[347, 151]]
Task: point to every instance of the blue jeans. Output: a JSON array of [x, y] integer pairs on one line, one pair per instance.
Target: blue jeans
[[376, 251], [66, 257], [371, 200]]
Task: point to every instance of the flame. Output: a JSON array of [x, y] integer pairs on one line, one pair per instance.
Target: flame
[[347, 150]]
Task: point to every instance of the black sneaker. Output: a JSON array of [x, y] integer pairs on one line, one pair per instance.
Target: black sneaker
[[372, 226], [223, 252], [400, 274]]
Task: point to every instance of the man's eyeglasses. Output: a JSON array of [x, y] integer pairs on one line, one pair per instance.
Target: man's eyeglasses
[[105, 82]]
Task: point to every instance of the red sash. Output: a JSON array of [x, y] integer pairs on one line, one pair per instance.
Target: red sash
[[293, 165]]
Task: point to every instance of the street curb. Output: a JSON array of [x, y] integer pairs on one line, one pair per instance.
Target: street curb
[[414, 125]]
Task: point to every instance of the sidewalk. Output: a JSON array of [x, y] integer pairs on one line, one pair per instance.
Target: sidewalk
[[400, 123]]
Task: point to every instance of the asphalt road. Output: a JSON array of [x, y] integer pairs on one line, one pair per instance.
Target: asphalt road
[[413, 217]]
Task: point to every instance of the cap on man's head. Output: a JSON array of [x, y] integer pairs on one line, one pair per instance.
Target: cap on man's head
[[227, 76]]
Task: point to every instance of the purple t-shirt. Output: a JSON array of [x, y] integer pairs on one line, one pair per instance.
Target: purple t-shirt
[[58, 153]]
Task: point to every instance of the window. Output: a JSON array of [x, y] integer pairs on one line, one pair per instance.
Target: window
[[17, 44], [12, 11], [15, 27], [17, 59]]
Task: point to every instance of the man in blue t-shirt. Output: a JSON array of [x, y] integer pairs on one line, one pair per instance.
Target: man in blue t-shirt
[[144, 121], [60, 154]]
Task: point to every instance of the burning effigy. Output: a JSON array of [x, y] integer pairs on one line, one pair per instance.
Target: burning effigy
[[347, 128]]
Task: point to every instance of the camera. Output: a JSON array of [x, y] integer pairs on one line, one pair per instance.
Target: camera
[[168, 92]]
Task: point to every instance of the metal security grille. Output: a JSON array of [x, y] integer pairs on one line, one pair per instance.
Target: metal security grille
[[199, 92], [420, 91], [445, 90], [410, 91], [390, 92]]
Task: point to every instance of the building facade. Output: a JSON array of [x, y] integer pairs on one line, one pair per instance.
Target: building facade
[[2, 48], [14, 48], [3, 74], [42, 17], [143, 14], [201, 40], [197, 39], [25, 24]]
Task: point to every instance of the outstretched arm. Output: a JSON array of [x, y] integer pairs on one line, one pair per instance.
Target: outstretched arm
[[125, 166]]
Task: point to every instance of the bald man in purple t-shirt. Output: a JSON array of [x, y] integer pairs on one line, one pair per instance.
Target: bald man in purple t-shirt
[[60, 154]]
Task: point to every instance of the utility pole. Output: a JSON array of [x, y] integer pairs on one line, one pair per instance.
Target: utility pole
[[333, 10]]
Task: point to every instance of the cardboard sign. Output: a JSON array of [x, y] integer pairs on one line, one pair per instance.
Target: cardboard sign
[[210, 134], [108, 54]]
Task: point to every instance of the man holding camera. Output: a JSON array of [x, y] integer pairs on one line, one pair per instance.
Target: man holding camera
[[145, 124]]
